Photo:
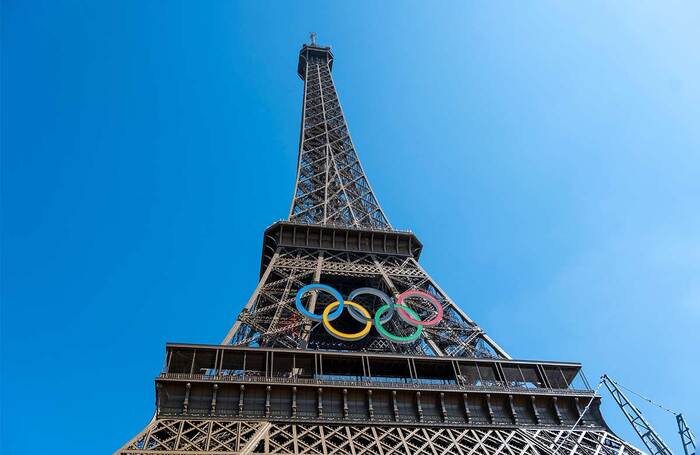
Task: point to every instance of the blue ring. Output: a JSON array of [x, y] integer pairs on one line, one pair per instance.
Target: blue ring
[[328, 289]]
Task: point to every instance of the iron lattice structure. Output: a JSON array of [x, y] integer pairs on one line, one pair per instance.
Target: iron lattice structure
[[280, 383], [331, 186], [216, 437], [271, 318]]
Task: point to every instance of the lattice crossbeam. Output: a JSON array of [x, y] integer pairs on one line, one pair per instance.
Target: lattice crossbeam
[[331, 187], [273, 320], [187, 436]]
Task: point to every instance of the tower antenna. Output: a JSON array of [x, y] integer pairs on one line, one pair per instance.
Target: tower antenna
[[313, 38]]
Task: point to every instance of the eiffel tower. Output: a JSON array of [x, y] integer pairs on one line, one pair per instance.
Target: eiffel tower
[[348, 346]]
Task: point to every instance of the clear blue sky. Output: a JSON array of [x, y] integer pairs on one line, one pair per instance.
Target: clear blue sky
[[147, 144]]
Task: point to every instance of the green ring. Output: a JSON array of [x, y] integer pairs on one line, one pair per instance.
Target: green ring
[[395, 338]]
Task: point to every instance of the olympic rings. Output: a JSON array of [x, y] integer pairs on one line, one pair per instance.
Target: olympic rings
[[361, 314], [375, 292], [342, 335], [323, 287], [413, 320], [390, 336]]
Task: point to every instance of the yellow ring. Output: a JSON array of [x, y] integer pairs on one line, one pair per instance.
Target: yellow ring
[[347, 336]]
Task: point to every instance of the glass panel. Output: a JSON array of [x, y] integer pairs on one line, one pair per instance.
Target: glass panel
[[469, 374], [488, 375], [341, 368], [390, 370], [304, 366], [531, 377], [204, 362], [579, 381], [435, 372], [181, 361], [556, 377], [282, 365], [514, 377], [255, 364], [232, 363]]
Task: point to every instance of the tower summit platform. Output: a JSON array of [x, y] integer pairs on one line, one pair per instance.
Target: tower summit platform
[[312, 52]]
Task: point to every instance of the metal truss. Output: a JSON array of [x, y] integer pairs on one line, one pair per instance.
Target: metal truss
[[331, 186], [347, 242], [332, 190], [687, 437], [188, 436], [271, 319], [646, 432]]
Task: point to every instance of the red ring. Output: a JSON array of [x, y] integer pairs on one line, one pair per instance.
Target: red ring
[[406, 317]]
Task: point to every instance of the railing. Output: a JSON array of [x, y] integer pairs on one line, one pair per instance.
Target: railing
[[409, 385], [344, 226]]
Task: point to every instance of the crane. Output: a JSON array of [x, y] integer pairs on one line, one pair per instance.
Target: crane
[[646, 432], [687, 437]]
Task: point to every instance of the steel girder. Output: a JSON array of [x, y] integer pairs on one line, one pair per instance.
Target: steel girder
[[211, 436], [271, 319], [331, 186], [646, 432]]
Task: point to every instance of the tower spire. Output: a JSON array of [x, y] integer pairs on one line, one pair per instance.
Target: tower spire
[[331, 185]]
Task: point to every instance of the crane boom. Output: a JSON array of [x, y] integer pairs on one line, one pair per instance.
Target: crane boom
[[687, 437], [646, 432]]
